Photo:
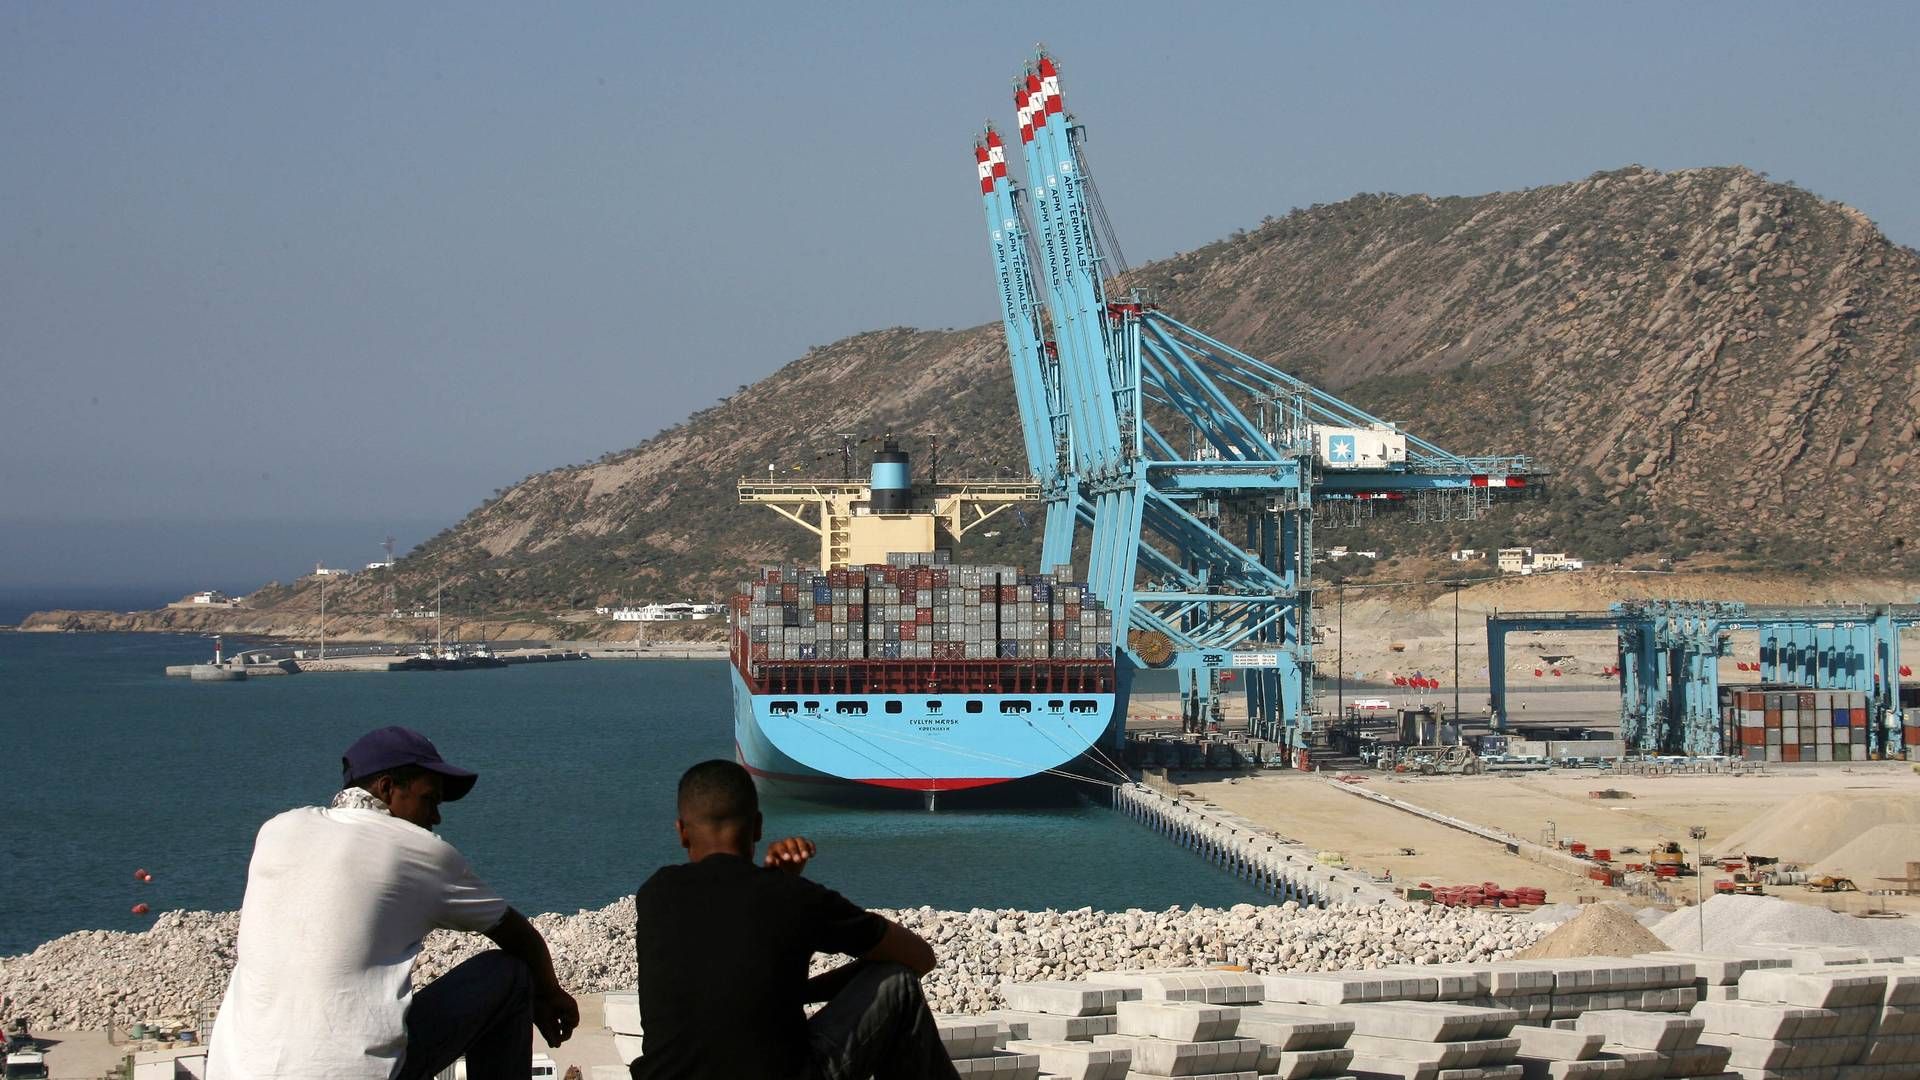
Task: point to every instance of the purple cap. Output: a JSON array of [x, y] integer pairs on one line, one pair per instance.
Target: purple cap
[[391, 747]]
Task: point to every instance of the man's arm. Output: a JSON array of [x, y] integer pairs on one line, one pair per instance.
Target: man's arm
[[555, 1012], [898, 945]]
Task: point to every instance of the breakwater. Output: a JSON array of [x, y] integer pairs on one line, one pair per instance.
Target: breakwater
[[1287, 869], [97, 978]]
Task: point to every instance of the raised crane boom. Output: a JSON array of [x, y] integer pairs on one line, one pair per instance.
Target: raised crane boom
[[1194, 468]]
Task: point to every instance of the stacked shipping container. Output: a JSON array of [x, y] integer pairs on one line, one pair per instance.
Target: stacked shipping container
[[919, 606], [1798, 725]]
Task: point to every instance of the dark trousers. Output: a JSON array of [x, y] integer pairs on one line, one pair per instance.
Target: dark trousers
[[482, 1011], [879, 1026]]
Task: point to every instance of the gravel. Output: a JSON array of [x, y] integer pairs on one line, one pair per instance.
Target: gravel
[[97, 978], [1733, 921]]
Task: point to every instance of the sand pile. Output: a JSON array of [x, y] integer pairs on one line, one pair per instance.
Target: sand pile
[[1810, 830], [1600, 930], [1733, 921], [1881, 852]]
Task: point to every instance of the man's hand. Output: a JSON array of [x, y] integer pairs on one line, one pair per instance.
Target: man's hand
[[555, 1013], [791, 854]]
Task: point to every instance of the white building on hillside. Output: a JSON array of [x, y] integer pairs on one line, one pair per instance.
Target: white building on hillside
[[683, 611]]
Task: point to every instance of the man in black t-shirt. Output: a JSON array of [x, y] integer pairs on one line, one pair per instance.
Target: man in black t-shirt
[[724, 947]]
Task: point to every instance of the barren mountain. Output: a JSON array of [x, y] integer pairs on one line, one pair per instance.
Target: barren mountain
[[1710, 364]]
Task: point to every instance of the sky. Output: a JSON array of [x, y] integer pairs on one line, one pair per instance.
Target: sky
[[278, 280]]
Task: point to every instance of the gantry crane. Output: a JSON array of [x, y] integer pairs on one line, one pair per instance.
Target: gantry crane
[[1192, 470]]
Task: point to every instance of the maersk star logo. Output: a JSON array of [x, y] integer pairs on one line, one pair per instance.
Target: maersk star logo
[[1340, 449]]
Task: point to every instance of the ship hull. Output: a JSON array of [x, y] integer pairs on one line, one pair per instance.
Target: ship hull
[[943, 749]]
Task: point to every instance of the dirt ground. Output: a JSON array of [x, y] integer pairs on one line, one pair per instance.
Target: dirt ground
[[1372, 836]]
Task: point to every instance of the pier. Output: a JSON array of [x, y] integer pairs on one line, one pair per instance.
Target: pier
[[1286, 868]]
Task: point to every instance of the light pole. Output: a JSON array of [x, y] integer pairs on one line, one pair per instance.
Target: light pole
[[1456, 653], [1340, 655], [1698, 833]]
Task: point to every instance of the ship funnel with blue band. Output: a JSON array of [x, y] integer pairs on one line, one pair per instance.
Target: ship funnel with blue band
[[891, 482]]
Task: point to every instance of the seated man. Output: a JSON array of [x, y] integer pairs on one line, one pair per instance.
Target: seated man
[[724, 948], [337, 902]]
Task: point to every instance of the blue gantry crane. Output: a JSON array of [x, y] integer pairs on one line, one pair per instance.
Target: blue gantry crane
[[1192, 470], [1670, 652]]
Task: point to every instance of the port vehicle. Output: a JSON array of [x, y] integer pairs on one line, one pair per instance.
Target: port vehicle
[[24, 1062], [1828, 883]]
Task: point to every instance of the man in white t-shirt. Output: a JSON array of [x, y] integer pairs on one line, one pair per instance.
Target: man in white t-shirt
[[338, 899]]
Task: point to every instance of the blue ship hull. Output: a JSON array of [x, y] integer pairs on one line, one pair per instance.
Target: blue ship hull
[[866, 747]]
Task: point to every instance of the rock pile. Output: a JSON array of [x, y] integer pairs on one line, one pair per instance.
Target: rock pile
[[96, 978]]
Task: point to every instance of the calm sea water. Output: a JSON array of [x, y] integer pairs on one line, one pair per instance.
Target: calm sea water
[[107, 766]]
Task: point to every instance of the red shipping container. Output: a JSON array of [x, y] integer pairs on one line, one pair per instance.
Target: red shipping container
[[759, 650], [923, 616], [908, 596], [989, 594], [1072, 613], [789, 593], [923, 578], [1753, 736], [823, 613], [1009, 594], [1790, 752], [1059, 631], [940, 578], [856, 612], [909, 632], [1773, 718]]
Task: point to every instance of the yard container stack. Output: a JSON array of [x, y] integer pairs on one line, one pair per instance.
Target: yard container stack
[[1798, 725], [921, 606]]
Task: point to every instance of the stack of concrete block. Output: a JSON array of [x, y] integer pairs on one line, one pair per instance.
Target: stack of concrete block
[[1349, 987], [1293, 1047], [1548, 1053], [1210, 985], [1059, 1011], [974, 1045], [1636, 983], [1855, 1020], [1812, 957], [1652, 1045], [622, 1011], [1424, 1040], [1716, 976], [1183, 1038]]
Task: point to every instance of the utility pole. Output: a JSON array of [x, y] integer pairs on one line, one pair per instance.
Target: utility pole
[[1698, 833], [1456, 652], [1340, 655], [323, 616]]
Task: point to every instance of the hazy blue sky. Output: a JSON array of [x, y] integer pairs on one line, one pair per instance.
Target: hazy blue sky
[[276, 279]]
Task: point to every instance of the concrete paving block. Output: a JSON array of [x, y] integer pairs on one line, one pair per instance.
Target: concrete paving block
[[1420, 1021], [1062, 998], [1698, 1060], [1282, 1030], [1857, 1020], [1366, 1068], [1903, 981], [1754, 1020], [623, 1012], [999, 1065], [1894, 1021], [1641, 1064], [1315, 988], [1536, 1068], [1725, 992], [1170, 1057], [1484, 1072], [628, 1047], [1247, 1074], [967, 1036], [1209, 985], [1643, 1031], [1825, 989], [1448, 982], [1719, 969], [1077, 1060], [1518, 978], [1465, 1054], [1182, 1021], [1892, 1050], [1746, 1054], [1048, 1027], [1554, 1044], [1301, 1064]]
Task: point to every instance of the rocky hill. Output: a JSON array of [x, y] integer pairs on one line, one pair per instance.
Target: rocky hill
[[1712, 365]]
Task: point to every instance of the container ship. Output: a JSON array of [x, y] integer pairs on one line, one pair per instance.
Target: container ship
[[899, 676]]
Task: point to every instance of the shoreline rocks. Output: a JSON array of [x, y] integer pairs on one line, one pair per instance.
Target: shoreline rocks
[[179, 967]]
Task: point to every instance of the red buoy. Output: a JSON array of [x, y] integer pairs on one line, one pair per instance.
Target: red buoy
[[140, 874], [140, 909], [146, 878]]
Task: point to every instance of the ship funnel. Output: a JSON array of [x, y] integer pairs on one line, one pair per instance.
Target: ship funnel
[[891, 482]]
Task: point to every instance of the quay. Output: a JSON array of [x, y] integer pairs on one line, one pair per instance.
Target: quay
[[254, 663], [1286, 868]]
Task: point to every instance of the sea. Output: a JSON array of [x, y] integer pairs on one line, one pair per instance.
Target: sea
[[108, 767]]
